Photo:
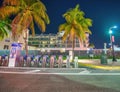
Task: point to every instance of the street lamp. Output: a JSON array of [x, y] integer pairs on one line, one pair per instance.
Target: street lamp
[[112, 42]]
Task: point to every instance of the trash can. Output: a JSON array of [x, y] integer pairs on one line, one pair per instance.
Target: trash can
[[103, 59]]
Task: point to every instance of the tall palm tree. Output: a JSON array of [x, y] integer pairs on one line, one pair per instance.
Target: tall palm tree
[[26, 14], [4, 28], [76, 26]]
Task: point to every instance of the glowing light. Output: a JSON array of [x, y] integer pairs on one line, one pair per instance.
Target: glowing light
[[114, 27], [110, 31]]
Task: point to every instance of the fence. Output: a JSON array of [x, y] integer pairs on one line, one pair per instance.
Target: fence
[[82, 53]]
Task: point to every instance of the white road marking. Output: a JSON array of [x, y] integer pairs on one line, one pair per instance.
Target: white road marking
[[84, 72], [37, 73], [32, 71]]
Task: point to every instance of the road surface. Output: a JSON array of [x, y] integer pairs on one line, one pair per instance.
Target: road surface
[[53, 80]]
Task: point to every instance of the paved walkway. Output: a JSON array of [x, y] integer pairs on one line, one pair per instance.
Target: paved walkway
[[98, 62]]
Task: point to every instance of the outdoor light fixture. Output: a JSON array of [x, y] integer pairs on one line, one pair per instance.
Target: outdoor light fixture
[[112, 42]]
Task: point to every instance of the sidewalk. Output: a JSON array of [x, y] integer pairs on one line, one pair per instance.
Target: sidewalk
[[96, 63]]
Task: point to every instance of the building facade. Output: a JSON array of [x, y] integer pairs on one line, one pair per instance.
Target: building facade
[[6, 42], [54, 41], [45, 41]]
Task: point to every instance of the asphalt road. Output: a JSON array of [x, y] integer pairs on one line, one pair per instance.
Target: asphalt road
[[55, 80]]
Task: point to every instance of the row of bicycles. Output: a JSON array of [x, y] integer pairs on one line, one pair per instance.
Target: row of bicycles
[[43, 61]]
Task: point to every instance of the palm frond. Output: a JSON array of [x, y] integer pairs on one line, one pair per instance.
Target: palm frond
[[4, 28], [67, 32], [68, 18], [32, 28], [86, 30], [1, 36], [7, 11], [11, 2], [40, 9], [3, 32], [38, 5], [24, 20], [62, 27], [88, 21], [31, 2], [65, 35], [47, 20], [40, 22]]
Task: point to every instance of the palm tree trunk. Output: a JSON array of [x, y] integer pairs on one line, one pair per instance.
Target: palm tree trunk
[[26, 43], [73, 46]]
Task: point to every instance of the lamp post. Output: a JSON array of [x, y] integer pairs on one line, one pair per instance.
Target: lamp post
[[112, 42]]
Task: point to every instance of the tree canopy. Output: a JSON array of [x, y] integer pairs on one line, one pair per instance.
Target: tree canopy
[[76, 24], [26, 14]]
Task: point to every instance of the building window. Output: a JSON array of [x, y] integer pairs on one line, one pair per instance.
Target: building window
[[7, 40], [6, 47]]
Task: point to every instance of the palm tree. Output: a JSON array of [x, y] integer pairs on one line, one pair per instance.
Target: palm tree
[[76, 26], [26, 14], [4, 28]]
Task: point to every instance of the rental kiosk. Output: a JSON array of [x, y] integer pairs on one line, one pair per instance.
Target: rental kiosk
[[15, 52]]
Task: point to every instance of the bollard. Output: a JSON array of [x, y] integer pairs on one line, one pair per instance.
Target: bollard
[[44, 61], [28, 63], [0, 60], [36, 61], [52, 60], [60, 61], [3, 60], [40, 61], [68, 62], [76, 62], [6, 60], [21, 61]]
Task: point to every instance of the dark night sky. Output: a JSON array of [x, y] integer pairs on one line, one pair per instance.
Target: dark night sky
[[104, 13]]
